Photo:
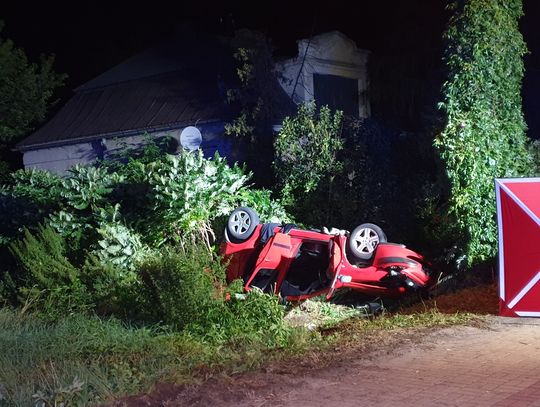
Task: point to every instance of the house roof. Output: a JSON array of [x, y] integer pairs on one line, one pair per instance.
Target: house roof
[[170, 86], [166, 87]]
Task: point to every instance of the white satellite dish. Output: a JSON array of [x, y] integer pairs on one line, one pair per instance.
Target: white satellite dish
[[191, 138]]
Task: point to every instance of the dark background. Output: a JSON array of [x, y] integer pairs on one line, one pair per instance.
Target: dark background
[[90, 37]]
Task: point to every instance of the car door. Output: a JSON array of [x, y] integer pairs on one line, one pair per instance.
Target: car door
[[272, 263]]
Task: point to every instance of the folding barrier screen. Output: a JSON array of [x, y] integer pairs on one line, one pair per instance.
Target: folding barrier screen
[[518, 215]]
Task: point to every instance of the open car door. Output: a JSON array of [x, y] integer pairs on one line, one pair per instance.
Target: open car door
[[273, 262], [336, 263]]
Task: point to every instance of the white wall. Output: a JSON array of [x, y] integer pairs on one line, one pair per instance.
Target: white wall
[[60, 159], [327, 54]]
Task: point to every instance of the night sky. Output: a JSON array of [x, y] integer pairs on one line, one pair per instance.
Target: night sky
[[90, 37]]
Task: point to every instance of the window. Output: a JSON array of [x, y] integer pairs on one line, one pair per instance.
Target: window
[[337, 92]]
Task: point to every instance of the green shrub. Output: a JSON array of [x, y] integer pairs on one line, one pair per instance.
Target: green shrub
[[102, 222], [27, 200], [177, 198], [188, 192], [119, 212], [87, 207], [48, 279], [305, 152], [269, 209], [186, 290], [379, 175], [180, 287], [484, 136], [257, 317], [119, 245], [360, 184], [388, 177], [253, 317], [111, 289]]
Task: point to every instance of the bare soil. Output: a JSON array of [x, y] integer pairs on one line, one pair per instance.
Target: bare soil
[[482, 300], [494, 362]]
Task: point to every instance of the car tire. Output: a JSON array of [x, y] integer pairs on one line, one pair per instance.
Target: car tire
[[241, 224], [364, 239]]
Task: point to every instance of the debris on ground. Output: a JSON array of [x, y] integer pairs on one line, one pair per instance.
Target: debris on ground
[[315, 313]]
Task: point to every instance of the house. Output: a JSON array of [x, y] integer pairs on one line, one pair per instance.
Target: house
[[159, 92], [179, 90], [331, 70]]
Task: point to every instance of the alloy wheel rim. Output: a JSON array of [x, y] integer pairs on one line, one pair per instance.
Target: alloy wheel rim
[[240, 222], [366, 240]]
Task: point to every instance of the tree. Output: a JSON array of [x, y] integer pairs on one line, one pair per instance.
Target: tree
[[26, 90], [257, 90], [484, 136], [305, 154], [259, 100]]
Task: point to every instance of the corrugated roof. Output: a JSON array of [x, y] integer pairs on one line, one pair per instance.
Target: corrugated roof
[[168, 86], [144, 104]]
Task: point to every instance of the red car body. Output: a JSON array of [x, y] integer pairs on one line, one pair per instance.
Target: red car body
[[298, 264]]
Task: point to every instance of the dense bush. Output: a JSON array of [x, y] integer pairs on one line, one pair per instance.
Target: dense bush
[[111, 289], [187, 290], [119, 212], [29, 198], [126, 239], [47, 280], [180, 288], [305, 152], [372, 173], [382, 178], [255, 317], [484, 136]]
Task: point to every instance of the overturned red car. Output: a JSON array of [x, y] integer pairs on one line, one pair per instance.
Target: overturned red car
[[298, 264]]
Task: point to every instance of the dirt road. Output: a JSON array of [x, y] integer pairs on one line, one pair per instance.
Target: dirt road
[[495, 365]]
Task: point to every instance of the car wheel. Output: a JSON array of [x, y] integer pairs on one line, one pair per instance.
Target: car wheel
[[364, 240], [241, 224]]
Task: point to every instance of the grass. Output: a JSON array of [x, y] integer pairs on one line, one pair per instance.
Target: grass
[[37, 358], [85, 360], [82, 360], [350, 327]]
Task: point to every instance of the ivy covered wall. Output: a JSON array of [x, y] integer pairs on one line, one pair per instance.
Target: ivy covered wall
[[484, 135]]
